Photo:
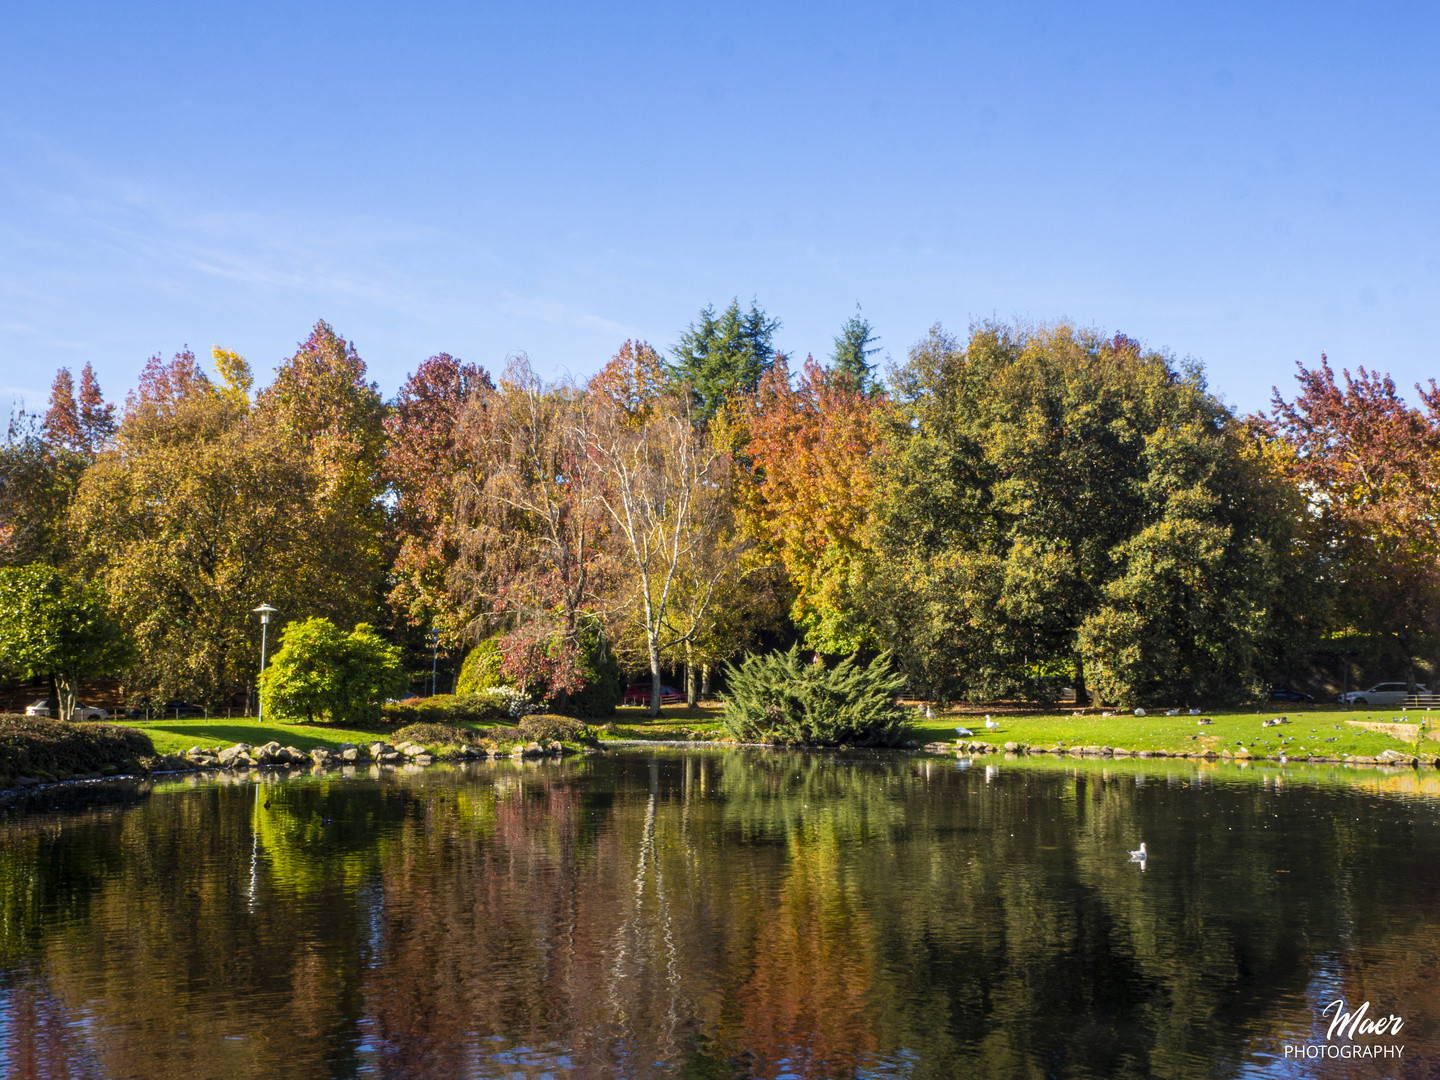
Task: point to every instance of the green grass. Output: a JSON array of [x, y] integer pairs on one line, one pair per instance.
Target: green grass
[[177, 736], [675, 722], [1171, 733], [1151, 732]]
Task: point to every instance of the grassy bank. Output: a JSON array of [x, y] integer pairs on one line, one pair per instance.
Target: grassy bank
[[1315, 732]]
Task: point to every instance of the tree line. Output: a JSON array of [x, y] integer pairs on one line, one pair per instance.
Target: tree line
[[1008, 512]]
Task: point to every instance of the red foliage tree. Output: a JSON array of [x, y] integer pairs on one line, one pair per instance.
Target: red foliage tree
[[1370, 467], [422, 455]]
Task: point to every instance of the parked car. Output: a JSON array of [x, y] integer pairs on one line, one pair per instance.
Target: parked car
[[80, 712], [639, 694], [1284, 693], [1385, 693]]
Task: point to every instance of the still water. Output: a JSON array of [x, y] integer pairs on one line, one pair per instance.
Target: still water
[[721, 914]]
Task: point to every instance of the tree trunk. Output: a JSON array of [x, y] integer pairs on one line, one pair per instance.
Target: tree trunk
[[54, 699], [654, 673], [692, 682], [69, 691], [705, 681]]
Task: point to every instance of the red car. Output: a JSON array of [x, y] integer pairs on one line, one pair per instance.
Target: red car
[[639, 694]]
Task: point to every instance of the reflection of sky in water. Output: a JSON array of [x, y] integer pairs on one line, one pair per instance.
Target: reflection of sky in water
[[870, 915]]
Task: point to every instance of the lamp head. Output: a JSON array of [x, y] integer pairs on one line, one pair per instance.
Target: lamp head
[[265, 611]]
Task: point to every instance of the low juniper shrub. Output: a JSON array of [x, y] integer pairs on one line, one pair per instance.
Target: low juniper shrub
[[782, 698]]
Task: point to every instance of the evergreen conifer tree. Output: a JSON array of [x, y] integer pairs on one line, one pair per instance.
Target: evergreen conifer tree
[[849, 357], [725, 354]]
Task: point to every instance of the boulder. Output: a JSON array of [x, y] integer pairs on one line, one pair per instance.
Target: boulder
[[1012, 747], [423, 759], [227, 756], [293, 755], [389, 757], [412, 750]]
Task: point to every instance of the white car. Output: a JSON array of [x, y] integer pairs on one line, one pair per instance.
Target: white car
[[80, 712], [1385, 693]]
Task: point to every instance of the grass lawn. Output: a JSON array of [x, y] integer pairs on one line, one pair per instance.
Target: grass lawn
[[1317, 732], [1320, 731], [177, 736]]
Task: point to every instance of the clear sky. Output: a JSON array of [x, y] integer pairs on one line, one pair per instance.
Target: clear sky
[[1244, 183]]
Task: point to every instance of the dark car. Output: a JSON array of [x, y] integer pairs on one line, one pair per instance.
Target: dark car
[[1282, 693], [639, 694]]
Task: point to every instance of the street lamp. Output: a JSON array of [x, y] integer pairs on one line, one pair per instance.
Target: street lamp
[[434, 636], [264, 611]]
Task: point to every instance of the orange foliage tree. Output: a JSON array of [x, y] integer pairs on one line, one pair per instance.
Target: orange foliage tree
[[811, 448]]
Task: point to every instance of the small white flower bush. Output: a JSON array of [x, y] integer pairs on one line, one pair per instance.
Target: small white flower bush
[[511, 701]]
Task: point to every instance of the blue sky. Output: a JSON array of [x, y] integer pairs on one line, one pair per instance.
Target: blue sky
[[1247, 184]]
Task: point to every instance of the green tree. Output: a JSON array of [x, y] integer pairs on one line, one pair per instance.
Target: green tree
[[852, 350], [724, 355], [51, 623], [320, 671], [1059, 506]]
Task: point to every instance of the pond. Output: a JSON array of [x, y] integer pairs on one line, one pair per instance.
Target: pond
[[713, 914]]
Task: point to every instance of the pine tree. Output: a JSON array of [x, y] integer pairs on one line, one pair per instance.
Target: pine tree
[[850, 352], [725, 355]]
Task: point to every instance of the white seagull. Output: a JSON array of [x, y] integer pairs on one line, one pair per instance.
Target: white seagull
[[991, 724], [963, 731], [1138, 856]]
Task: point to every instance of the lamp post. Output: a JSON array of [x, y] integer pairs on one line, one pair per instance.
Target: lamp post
[[434, 636], [264, 611]]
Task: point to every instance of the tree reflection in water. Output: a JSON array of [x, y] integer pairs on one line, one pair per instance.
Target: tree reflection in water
[[716, 914]]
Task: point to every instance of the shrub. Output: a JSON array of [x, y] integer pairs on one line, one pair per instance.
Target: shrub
[[320, 671], [603, 688], [547, 726], [43, 748], [481, 669], [446, 709], [780, 698], [433, 735], [510, 701]]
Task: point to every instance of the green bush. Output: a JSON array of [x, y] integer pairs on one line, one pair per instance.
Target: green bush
[[546, 726], [481, 669], [320, 672], [603, 689], [446, 709], [780, 698], [433, 735], [54, 749]]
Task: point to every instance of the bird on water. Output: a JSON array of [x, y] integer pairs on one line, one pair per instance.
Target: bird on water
[[1138, 856]]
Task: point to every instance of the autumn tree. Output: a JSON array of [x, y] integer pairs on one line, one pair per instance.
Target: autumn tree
[[811, 491], [633, 380], [1369, 467], [195, 514], [667, 494], [37, 481], [320, 404], [424, 451], [724, 355], [529, 526]]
